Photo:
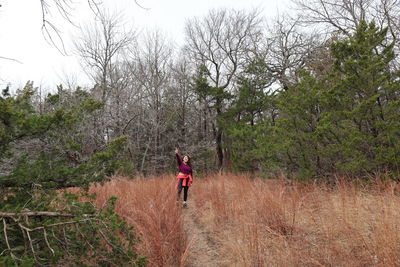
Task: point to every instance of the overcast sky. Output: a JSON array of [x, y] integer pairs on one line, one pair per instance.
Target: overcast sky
[[21, 37]]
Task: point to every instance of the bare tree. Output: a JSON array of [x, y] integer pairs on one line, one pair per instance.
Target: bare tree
[[222, 42], [185, 99], [150, 67], [343, 16], [65, 9], [288, 49], [102, 44]]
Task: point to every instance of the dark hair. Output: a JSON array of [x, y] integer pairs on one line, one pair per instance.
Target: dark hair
[[188, 163]]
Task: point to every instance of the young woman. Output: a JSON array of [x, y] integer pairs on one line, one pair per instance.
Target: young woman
[[184, 178]]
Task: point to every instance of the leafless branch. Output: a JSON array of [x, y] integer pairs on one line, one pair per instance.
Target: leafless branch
[[27, 231], [223, 41], [40, 213], [6, 238], [102, 43], [12, 59], [139, 5], [47, 241]]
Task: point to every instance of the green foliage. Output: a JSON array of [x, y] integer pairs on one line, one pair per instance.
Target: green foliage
[[54, 144], [88, 237], [45, 151], [300, 110], [112, 160], [343, 120], [251, 109], [13, 112], [338, 122], [216, 95], [362, 111]]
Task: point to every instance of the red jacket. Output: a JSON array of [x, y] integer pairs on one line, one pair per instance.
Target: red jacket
[[184, 177]]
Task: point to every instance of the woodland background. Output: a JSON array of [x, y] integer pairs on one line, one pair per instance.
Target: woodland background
[[308, 96]]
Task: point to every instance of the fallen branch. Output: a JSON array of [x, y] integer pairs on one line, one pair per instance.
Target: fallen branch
[[49, 225], [6, 238], [26, 230], [47, 241], [41, 213]]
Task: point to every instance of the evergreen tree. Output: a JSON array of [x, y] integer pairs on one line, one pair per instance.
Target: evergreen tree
[[361, 122], [252, 109], [346, 120], [343, 119], [42, 153]]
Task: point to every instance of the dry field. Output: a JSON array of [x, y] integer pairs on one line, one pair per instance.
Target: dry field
[[236, 221]]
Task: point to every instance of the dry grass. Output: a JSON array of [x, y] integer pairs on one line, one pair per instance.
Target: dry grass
[[150, 206], [268, 223], [265, 222]]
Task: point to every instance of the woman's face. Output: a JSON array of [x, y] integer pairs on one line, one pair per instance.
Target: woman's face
[[185, 159]]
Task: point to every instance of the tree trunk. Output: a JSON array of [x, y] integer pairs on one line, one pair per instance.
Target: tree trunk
[[218, 137], [220, 153]]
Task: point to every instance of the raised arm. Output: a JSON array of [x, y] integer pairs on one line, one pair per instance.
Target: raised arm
[[178, 158]]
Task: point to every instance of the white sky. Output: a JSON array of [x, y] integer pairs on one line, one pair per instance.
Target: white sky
[[21, 36]]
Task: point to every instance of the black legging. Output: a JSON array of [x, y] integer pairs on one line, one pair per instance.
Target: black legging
[[185, 189]]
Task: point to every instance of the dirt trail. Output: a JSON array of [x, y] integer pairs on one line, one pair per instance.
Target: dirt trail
[[203, 247]]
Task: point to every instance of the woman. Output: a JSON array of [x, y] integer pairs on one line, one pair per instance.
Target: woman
[[184, 178]]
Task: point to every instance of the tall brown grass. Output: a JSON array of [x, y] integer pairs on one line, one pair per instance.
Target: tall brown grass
[[269, 223], [150, 206], [257, 222]]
